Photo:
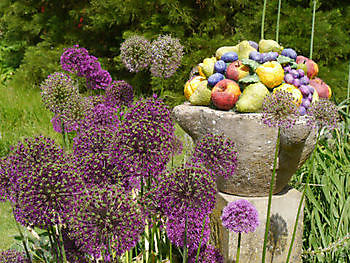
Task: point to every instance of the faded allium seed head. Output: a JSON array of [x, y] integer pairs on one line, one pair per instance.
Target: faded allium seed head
[[106, 216], [167, 53], [240, 216], [207, 254], [12, 256], [135, 53], [217, 153], [46, 182], [279, 110], [119, 93], [175, 229], [324, 113]]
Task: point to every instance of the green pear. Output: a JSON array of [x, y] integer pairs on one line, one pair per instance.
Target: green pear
[[269, 45], [207, 66], [244, 50], [252, 98], [222, 50], [201, 96]]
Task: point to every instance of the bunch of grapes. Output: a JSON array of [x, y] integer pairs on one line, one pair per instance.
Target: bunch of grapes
[[298, 78], [263, 57]]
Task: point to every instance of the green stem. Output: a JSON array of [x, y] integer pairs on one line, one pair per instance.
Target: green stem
[[348, 93], [278, 20], [238, 247], [58, 252], [184, 259], [63, 136], [170, 252], [53, 246], [63, 252], [313, 29], [200, 242], [263, 20], [311, 171], [272, 183]]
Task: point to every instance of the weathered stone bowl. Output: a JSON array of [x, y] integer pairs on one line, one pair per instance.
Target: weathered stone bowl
[[255, 143]]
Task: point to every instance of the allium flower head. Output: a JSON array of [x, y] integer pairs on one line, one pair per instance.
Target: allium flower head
[[46, 182], [176, 145], [167, 53], [73, 59], [135, 53], [175, 229], [217, 153], [324, 113], [119, 93], [101, 116], [12, 256], [106, 216], [100, 80], [207, 254], [279, 110], [240, 216]]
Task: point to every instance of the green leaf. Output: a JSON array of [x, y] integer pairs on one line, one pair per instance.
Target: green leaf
[[250, 79], [293, 65], [250, 63], [284, 60]]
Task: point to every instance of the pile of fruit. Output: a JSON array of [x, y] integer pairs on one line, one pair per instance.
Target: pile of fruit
[[239, 77]]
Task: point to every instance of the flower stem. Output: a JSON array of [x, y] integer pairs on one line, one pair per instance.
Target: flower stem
[[267, 226], [59, 227], [170, 252], [200, 243], [238, 247], [348, 93], [263, 20], [313, 29], [278, 20], [184, 259]]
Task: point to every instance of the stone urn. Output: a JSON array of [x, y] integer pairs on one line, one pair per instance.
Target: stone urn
[[255, 143]]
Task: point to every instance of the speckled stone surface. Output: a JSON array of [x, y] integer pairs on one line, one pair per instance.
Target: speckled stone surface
[[255, 143]]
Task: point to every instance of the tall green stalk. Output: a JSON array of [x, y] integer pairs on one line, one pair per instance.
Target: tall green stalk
[[348, 93], [63, 252], [272, 183], [278, 20], [201, 240], [238, 247], [184, 259], [263, 20], [313, 29]]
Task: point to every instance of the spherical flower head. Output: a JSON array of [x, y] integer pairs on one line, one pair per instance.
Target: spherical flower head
[[99, 80], [279, 110], [73, 59], [167, 53], [207, 254], [135, 53], [12, 256], [119, 93], [106, 216], [176, 226], [217, 153], [323, 113], [58, 92], [240, 216]]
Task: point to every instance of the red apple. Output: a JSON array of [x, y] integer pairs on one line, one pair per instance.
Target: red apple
[[236, 70], [323, 90], [225, 94], [311, 66]]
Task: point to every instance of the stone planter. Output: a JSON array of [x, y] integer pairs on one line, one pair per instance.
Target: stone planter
[[255, 143]]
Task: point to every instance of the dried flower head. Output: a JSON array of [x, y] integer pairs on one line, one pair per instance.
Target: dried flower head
[[240, 216], [167, 53], [278, 234], [324, 113], [106, 217], [12, 256], [119, 93], [217, 153], [279, 110], [135, 53], [207, 254]]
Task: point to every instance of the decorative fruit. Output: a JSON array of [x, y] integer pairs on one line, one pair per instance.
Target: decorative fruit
[[288, 52], [201, 95], [269, 45], [220, 67], [191, 86], [271, 74], [215, 78], [206, 68], [225, 94], [229, 57], [297, 96], [237, 71], [323, 90], [222, 50], [253, 44], [255, 55], [252, 98], [244, 49], [311, 66]]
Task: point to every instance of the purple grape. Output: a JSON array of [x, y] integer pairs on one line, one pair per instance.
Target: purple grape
[[311, 89], [302, 110], [288, 78], [255, 55], [306, 103], [296, 83], [253, 44], [304, 80], [301, 73], [304, 90], [263, 58], [294, 73], [309, 97], [288, 52], [287, 69]]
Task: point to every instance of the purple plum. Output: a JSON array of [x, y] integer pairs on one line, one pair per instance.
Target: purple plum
[[288, 52], [229, 57], [220, 66], [288, 78], [253, 44]]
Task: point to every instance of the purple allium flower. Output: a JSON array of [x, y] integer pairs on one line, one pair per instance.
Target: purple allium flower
[[167, 53], [106, 216], [207, 254], [73, 59], [217, 153], [176, 145], [101, 116], [240, 216], [279, 110], [324, 113], [46, 182], [12, 256], [74, 253], [69, 125], [135, 53], [175, 229], [101, 80], [119, 93]]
